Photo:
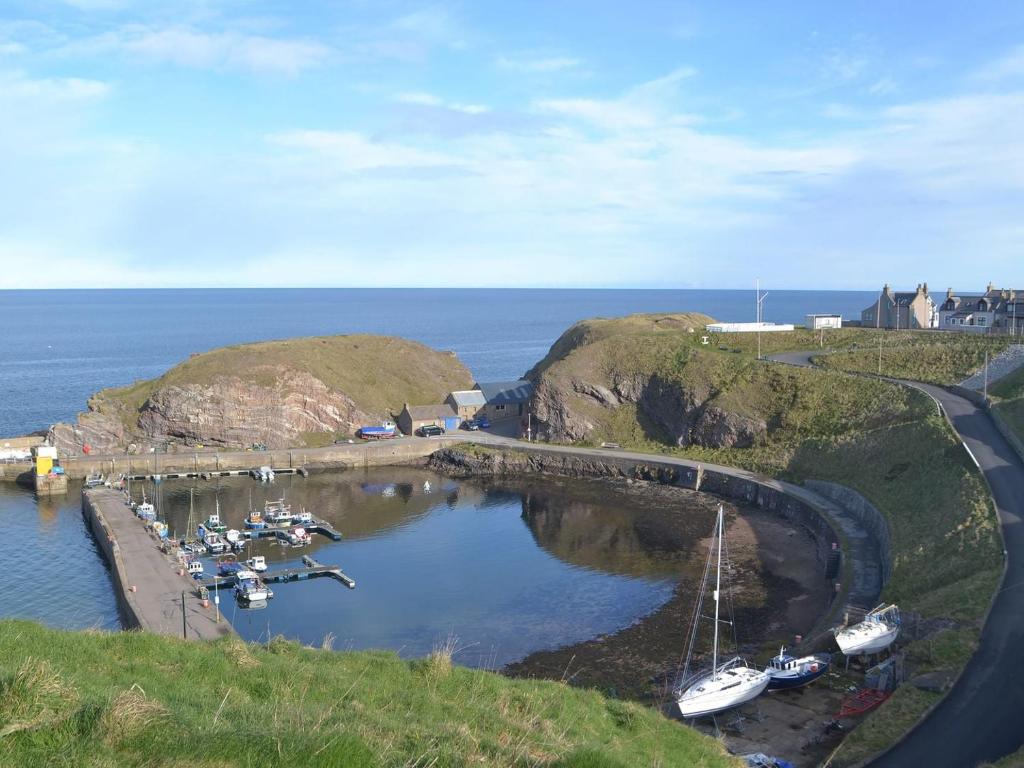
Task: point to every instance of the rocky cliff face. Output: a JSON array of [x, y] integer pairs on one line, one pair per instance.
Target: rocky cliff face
[[583, 389], [229, 411], [273, 393]]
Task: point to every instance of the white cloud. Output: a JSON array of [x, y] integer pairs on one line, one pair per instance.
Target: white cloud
[[191, 47], [1011, 65], [526, 63], [17, 86], [351, 151], [422, 99], [646, 104], [883, 86]]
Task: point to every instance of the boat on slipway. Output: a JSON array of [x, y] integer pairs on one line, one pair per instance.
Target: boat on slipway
[[786, 672], [727, 684], [874, 634]]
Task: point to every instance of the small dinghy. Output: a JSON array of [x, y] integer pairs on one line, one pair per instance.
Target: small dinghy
[[875, 633], [862, 701], [785, 671], [727, 684]]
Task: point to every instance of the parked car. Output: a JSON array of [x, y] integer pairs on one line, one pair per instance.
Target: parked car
[[430, 430], [471, 424], [483, 422]]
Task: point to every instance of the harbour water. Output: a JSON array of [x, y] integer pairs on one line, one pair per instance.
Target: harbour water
[[56, 574], [61, 346], [501, 571]]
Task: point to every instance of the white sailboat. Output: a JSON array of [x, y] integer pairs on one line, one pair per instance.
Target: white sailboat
[[875, 633], [730, 683]]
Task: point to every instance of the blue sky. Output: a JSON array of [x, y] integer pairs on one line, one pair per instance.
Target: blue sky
[[604, 144]]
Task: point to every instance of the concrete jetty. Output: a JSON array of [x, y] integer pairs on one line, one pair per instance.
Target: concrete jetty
[[146, 582]]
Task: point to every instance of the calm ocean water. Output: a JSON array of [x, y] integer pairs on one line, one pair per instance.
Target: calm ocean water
[[61, 346]]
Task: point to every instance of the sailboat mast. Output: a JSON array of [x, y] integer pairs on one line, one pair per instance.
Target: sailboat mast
[[718, 586]]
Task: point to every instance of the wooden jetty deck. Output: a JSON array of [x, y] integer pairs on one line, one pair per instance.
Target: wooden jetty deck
[[288, 574], [317, 526]]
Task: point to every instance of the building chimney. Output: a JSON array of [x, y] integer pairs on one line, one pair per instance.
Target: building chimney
[[924, 288], [949, 293]]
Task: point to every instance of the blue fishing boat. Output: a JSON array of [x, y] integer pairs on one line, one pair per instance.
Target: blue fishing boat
[[785, 671]]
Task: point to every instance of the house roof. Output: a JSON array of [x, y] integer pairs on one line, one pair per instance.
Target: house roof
[[418, 412], [506, 392], [468, 397]]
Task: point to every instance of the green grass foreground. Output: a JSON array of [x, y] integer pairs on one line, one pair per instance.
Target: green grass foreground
[[137, 699]]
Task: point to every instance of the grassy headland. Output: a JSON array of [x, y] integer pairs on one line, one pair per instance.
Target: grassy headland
[[137, 699], [648, 388], [379, 373]]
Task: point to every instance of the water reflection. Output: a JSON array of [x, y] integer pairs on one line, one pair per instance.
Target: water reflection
[[41, 543], [505, 570]]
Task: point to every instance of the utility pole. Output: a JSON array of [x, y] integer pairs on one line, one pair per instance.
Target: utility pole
[[878, 327], [757, 313], [184, 623], [986, 376]]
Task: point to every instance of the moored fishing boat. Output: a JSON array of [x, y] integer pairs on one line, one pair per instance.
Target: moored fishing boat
[[212, 540], [299, 536], [785, 671], [250, 588], [303, 517], [277, 513], [728, 684], [236, 539], [875, 633], [254, 520], [257, 563], [213, 522]]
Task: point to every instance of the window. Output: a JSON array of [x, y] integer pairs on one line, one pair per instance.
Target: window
[[499, 407], [982, 321]]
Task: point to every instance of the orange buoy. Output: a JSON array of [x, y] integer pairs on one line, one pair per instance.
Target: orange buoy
[[132, 588], [204, 603]]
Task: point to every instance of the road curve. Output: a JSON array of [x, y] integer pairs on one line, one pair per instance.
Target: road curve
[[982, 718]]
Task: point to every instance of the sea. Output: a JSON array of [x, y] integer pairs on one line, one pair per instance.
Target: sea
[[61, 346]]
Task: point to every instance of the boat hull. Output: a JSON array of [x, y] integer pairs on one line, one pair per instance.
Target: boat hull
[[787, 683], [874, 643], [721, 694]]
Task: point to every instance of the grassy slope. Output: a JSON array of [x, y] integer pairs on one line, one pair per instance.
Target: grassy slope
[[379, 373], [133, 699], [883, 440], [939, 358], [1009, 395]]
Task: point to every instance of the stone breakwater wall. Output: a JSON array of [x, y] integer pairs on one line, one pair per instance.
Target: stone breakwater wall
[[107, 542], [346, 456], [865, 556]]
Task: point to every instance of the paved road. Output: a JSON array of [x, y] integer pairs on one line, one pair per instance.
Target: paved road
[[982, 718]]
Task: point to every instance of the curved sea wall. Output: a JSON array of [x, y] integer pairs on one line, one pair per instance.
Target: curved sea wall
[[864, 564]]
